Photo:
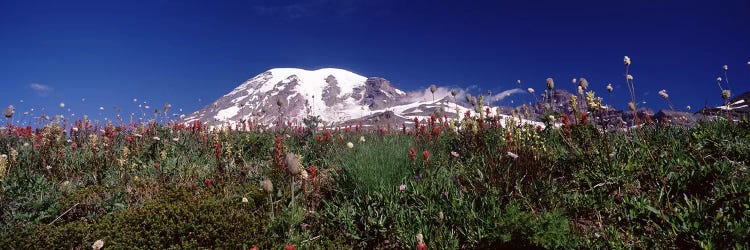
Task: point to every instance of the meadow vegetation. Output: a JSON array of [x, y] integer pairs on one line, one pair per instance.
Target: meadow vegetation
[[482, 184]]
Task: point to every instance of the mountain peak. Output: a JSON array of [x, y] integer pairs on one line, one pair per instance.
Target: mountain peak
[[336, 95]]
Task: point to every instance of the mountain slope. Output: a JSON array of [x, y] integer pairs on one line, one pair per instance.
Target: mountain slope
[[337, 96]]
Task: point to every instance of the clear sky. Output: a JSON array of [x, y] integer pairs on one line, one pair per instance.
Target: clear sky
[[110, 52]]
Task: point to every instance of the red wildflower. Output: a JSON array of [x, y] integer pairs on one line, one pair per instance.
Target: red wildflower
[[156, 166], [328, 135], [426, 156], [538, 128], [217, 149], [585, 119], [412, 154], [74, 146], [436, 131], [509, 137], [289, 247], [254, 248], [320, 138], [312, 172], [207, 181], [421, 246]]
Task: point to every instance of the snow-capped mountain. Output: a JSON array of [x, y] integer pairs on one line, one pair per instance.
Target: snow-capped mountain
[[336, 95]]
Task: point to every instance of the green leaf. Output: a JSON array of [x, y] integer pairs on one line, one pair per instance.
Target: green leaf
[[653, 210]]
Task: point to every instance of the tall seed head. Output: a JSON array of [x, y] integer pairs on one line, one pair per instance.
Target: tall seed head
[[609, 88], [583, 83], [627, 60], [433, 88], [550, 83], [9, 111], [292, 163], [267, 186], [631, 105], [725, 94]]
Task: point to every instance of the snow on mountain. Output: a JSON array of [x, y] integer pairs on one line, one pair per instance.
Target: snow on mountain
[[333, 94], [336, 95]]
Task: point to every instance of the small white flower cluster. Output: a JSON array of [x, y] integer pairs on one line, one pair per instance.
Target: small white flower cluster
[[663, 94]]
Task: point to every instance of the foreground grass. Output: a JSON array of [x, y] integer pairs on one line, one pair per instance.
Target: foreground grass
[[660, 186]]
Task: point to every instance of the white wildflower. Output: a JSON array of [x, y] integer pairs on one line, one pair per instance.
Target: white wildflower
[[349, 145], [98, 244], [512, 155]]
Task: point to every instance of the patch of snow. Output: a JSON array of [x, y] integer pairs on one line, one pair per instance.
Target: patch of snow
[[732, 108], [227, 113]]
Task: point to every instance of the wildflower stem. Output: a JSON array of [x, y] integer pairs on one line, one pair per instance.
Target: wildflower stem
[[270, 204]]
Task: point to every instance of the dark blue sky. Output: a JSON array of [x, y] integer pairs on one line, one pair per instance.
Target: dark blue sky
[[110, 52]]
